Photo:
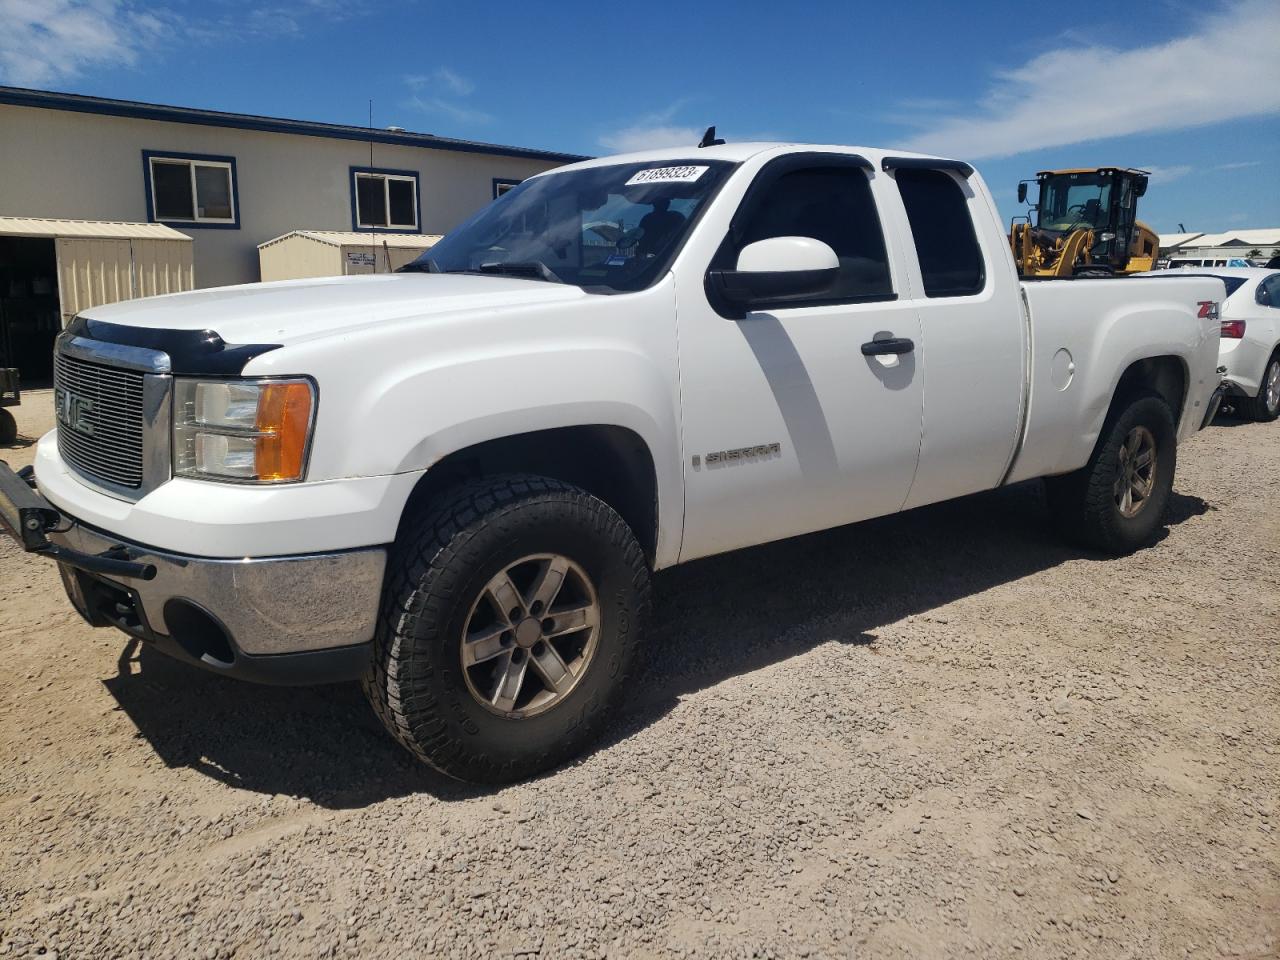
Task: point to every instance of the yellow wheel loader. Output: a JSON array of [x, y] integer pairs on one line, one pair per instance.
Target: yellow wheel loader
[[1084, 224]]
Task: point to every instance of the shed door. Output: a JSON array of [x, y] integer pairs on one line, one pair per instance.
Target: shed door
[[161, 266], [92, 272]]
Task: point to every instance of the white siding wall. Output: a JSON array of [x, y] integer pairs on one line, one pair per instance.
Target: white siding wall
[[57, 163]]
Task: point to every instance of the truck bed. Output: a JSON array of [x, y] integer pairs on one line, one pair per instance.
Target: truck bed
[[1084, 334]]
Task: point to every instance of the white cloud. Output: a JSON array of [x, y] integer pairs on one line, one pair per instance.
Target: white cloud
[[457, 84], [49, 41], [653, 132], [442, 92], [46, 42], [1079, 93], [456, 111], [1238, 165], [1168, 174], [642, 137]]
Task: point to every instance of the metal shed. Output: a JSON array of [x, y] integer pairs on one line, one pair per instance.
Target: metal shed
[[338, 253], [52, 269]]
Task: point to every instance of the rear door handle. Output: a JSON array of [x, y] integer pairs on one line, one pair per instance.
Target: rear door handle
[[898, 345]]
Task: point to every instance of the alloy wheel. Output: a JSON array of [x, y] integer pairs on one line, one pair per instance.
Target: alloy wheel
[[530, 636], [1137, 472]]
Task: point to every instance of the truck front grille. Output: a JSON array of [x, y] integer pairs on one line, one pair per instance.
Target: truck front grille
[[100, 420]]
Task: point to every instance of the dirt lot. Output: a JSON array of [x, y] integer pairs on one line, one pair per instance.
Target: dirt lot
[[941, 734]]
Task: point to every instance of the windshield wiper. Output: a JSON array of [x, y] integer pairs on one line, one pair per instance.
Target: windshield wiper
[[529, 269], [420, 266]]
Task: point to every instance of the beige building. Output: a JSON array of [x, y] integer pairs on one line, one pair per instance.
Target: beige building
[[234, 181]]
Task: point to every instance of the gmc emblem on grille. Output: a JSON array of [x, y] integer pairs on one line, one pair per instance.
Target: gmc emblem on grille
[[73, 412]]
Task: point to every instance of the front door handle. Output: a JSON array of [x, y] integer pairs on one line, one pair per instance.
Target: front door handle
[[896, 345]]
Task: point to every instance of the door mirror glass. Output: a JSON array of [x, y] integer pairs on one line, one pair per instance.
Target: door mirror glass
[[1022, 192]]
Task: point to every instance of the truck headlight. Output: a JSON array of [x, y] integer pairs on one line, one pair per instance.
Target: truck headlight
[[244, 431]]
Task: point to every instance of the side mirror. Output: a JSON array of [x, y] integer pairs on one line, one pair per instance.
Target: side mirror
[[777, 268], [1139, 186], [1022, 192]]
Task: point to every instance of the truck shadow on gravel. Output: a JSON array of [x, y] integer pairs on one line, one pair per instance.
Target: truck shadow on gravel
[[713, 619]]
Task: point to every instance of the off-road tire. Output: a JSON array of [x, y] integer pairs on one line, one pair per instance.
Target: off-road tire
[[437, 568], [1256, 407], [1083, 503], [8, 428]]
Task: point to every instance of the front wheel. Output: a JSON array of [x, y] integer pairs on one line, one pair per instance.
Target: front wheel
[[1116, 502], [509, 628], [1265, 407]]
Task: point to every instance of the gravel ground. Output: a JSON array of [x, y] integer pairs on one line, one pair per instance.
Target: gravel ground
[[940, 734]]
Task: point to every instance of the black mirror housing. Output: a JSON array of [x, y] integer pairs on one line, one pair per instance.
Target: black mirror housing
[[746, 290], [1022, 192]]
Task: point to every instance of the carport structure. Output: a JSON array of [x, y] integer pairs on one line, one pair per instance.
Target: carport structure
[[52, 269]]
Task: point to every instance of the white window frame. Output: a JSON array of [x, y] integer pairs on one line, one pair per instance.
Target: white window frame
[[502, 185], [386, 201], [195, 196]]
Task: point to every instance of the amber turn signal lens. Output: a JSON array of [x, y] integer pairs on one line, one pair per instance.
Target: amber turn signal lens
[[284, 414]]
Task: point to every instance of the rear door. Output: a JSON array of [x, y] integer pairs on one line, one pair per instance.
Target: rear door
[[788, 427], [973, 327]]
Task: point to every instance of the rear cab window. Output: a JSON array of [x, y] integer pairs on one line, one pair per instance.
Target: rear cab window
[[951, 263]]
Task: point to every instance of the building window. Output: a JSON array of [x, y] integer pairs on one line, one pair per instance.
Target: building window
[[384, 199], [501, 186], [191, 189]]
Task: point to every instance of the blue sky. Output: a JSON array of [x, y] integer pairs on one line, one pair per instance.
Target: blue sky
[[1189, 90]]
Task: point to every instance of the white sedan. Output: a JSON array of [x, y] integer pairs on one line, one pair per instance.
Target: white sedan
[[1250, 348]]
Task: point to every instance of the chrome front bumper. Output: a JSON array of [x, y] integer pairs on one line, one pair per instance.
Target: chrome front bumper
[[269, 605], [290, 619]]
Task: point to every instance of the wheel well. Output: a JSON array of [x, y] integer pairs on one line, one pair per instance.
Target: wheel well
[[609, 462], [1164, 376]]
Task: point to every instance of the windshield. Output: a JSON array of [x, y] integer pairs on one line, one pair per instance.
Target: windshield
[[607, 229], [1071, 200]]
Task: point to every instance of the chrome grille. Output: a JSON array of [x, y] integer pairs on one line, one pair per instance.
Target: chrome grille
[[100, 419]]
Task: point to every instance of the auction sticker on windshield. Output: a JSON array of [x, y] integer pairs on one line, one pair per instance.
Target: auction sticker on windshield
[[667, 175]]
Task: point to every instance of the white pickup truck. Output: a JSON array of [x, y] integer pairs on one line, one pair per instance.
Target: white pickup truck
[[454, 482]]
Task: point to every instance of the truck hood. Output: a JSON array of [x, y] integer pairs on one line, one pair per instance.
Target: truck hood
[[290, 311]]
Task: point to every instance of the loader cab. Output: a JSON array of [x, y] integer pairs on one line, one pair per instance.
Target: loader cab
[[1103, 200]]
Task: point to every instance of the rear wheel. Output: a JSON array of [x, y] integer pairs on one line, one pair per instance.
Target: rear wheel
[[1265, 407], [1116, 502], [509, 628]]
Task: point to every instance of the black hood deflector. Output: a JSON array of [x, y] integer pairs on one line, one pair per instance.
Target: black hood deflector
[[191, 352]]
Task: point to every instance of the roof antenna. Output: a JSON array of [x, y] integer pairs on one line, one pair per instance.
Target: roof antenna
[[709, 138]]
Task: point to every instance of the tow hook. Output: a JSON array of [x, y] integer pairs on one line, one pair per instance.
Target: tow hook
[[29, 518]]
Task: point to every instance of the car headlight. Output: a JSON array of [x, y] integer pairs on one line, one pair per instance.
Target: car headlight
[[243, 431]]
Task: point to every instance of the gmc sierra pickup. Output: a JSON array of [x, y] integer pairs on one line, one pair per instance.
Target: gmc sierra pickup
[[454, 482]]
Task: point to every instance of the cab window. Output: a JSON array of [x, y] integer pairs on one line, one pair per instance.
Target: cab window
[[834, 205], [951, 262]]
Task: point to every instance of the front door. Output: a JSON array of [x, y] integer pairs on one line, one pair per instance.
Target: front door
[[788, 426]]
